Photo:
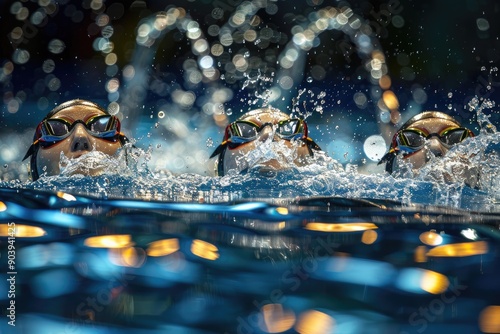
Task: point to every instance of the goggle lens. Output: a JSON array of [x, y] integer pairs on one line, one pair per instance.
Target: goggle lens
[[415, 138], [290, 128], [411, 138], [245, 131], [454, 136], [51, 131]]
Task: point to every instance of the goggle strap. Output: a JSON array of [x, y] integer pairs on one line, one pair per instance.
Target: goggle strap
[[466, 134], [123, 138], [31, 150], [388, 157], [312, 144], [234, 129], [402, 138], [219, 149]]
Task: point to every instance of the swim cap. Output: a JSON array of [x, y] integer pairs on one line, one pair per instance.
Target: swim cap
[[33, 149], [389, 157], [427, 115]]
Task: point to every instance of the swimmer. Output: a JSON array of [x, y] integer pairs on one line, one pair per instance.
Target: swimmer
[[74, 128], [426, 135], [246, 134]]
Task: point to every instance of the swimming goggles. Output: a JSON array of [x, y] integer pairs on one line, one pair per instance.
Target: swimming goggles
[[53, 130], [241, 132], [412, 139]]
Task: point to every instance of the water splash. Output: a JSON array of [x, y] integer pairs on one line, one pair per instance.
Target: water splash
[[306, 37], [149, 34]]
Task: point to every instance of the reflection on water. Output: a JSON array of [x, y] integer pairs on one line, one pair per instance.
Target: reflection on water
[[317, 265]]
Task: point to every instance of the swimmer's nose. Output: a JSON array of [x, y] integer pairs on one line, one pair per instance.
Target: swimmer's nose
[[266, 132], [80, 139], [435, 146]]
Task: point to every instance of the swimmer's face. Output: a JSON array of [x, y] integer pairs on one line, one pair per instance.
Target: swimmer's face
[[433, 145], [236, 157], [78, 142]]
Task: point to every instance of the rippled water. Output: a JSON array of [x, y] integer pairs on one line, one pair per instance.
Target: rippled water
[[306, 265]]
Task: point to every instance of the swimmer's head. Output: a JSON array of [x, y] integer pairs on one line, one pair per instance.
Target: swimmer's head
[[426, 135], [258, 126], [74, 128]]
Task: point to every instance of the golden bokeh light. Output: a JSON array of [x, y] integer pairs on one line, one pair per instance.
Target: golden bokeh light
[[315, 322], [127, 257], [21, 231], [459, 249], [204, 250], [369, 237], [276, 319], [163, 247], [390, 100], [3, 206], [434, 282], [431, 238], [385, 82], [66, 196], [340, 227], [282, 210], [489, 319], [109, 241], [420, 255]]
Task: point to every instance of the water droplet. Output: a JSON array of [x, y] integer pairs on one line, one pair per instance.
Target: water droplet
[[48, 66], [56, 46], [20, 56], [309, 79], [161, 114], [229, 111], [374, 147], [107, 31], [210, 142]]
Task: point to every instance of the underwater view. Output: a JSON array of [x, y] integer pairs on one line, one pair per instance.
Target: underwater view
[[259, 166]]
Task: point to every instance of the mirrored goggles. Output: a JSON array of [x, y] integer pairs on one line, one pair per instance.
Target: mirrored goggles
[[412, 139], [240, 132], [52, 131]]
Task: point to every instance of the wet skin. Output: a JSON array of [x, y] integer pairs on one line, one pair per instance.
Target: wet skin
[[236, 158], [79, 141], [433, 146]]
